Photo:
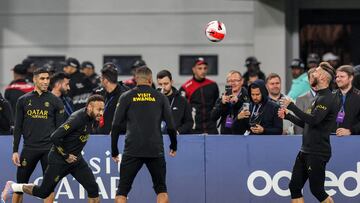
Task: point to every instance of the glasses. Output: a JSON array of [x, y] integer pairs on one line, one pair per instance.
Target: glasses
[[233, 81]]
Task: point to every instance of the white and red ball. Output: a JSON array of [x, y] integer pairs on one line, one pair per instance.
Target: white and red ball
[[215, 31]]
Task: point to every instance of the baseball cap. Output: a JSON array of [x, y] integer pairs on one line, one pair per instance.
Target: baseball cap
[[138, 63], [313, 58], [251, 60], [72, 62], [200, 61], [87, 64], [20, 69], [298, 63], [329, 56]]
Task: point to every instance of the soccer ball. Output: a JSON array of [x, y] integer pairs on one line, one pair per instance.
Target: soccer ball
[[215, 31]]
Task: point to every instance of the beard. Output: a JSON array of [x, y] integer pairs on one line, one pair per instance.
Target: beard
[[314, 82]]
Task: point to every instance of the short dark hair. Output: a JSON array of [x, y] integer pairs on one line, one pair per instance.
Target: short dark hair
[[40, 70], [57, 77], [109, 71], [164, 73], [271, 76], [347, 69], [94, 98]]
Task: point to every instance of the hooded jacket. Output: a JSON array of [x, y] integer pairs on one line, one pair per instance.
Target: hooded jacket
[[266, 111]]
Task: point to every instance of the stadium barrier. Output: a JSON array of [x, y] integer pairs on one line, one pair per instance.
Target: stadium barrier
[[211, 169]]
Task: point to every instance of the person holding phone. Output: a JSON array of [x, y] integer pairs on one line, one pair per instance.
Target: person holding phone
[[228, 105], [259, 117]]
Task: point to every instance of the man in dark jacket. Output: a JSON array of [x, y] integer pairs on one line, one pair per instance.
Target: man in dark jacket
[[180, 108], [80, 88], [228, 106], [202, 94], [349, 123], [252, 69], [112, 90], [261, 116], [88, 69], [6, 117], [18, 87]]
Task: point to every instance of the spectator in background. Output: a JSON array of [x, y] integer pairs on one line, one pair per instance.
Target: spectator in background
[[30, 68], [312, 61], [80, 88], [6, 117], [202, 94], [180, 108], [60, 86], [253, 68], [300, 84], [348, 119], [252, 78], [18, 87], [273, 85], [261, 116], [131, 83], [229, 104], [111, 92], [88, 69], [304, 102], [332, 59]]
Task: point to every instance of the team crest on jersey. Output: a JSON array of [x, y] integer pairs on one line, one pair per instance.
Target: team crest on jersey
[[24, 162], [46, 104], [66, 126], [57, 178]]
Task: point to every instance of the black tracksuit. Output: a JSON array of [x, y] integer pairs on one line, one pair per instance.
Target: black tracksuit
[[6, 117], [318, 124], [111, 100], [143, 108], [222, 111], [352, 110], [315, 151], [69, 138], [267, 114], [202, 96], [15, 90], [80, 89], [37, 116], [181, 112]]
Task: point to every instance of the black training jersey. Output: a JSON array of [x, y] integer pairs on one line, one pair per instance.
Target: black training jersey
[[71, 137], [36, 117], [143, 108], [318, 124]]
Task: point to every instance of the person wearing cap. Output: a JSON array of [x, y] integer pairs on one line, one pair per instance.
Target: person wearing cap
[[348, 122], [88, 69], [112, 90], [312, 61], [300, 83], [18, 87], [202, 94], [315, 151], [131, 83], [80, 88], [332, 59], [253, 68], [30, 68]]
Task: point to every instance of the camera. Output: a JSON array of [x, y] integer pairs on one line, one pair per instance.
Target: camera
[[228, 90]]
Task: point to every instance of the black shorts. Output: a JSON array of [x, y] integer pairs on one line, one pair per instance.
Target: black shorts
[[130, 166], [55, 172], [28, 160], [312, 167]]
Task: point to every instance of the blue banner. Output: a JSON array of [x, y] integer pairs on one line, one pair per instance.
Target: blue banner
[[211, 169]]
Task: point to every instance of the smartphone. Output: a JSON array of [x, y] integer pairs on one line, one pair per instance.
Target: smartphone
[[246, 106], [228, 90]]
